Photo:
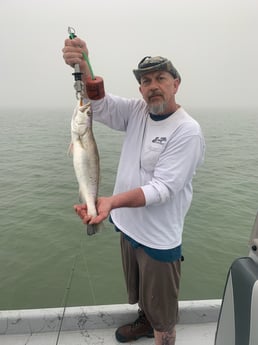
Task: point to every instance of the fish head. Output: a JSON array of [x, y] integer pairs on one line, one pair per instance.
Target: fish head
[[82, 119], [84, 114]]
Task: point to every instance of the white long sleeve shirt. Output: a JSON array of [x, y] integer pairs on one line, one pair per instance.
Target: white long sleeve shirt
[[161, 158]]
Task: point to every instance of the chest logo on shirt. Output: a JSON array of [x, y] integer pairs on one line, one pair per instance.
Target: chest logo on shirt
[[159, 140]]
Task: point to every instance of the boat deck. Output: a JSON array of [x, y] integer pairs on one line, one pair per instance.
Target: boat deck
[[96, 325]]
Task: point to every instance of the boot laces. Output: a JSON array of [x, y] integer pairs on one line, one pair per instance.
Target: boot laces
[[140, 320]]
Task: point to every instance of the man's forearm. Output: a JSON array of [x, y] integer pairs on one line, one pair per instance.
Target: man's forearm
[[132, 198]]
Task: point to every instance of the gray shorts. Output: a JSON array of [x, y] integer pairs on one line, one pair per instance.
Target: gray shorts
[[153, 284]]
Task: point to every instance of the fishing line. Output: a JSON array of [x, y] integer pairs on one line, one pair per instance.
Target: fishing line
[[66, 296], [69, 284], [68, 288], [89, 277]]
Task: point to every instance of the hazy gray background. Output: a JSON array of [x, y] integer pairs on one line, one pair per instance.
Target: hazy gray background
[[213, 43]]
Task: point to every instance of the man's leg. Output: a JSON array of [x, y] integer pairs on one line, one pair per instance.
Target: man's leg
[[141, 326], [159, 287], [165, 338]]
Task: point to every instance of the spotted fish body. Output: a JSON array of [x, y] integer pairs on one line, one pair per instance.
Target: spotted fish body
[[85, 160]]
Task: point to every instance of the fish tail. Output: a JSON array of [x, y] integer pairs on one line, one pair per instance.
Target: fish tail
[[93, 228], [70, 149]]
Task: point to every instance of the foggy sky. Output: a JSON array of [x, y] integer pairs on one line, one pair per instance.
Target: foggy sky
[[212, 43]]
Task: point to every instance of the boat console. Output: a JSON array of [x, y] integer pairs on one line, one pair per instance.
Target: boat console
[[238, 318]]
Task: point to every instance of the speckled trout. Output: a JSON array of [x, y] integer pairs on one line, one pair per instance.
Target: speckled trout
[[85, 160]]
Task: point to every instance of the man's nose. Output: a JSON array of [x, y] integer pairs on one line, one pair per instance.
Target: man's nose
[[153, 85]]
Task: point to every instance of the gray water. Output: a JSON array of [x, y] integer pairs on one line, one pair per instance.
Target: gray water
[[45, 254]]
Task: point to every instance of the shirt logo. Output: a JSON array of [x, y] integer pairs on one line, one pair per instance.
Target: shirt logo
[[159, 140]]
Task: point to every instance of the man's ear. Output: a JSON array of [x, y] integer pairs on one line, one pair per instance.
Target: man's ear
[[176, 84]]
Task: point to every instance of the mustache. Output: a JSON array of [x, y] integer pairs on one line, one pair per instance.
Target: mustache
[[154, 93]]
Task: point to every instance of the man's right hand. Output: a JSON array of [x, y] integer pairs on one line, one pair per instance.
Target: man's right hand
[[73, 54]]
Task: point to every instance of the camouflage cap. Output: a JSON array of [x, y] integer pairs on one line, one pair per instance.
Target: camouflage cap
[[152, 64]]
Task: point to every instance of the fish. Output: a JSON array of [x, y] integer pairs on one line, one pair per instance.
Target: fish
[[86, 160]]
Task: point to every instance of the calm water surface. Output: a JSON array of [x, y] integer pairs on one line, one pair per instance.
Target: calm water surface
[[41, 239]]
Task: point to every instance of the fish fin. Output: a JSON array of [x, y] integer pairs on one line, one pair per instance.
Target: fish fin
[[92, 229], [70, 149], [83, 107], [81, 198]]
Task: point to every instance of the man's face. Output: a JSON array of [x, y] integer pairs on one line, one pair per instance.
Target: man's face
[[158, 89]]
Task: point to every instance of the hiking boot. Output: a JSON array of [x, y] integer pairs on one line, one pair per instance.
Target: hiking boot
[[133, 331]]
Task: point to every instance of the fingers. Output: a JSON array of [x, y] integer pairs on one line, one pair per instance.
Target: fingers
[[81, 211], [73, 52], [72, 55], [96, 220], [75, 43]]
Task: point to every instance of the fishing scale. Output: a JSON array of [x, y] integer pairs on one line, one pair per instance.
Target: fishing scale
[[94, 84]]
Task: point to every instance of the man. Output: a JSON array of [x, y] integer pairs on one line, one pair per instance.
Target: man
[[162, 149]]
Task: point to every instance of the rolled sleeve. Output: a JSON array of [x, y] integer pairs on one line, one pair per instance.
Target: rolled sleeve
[[152, 195]]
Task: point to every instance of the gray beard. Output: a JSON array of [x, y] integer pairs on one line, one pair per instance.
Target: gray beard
[[157, 109]]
